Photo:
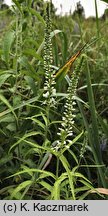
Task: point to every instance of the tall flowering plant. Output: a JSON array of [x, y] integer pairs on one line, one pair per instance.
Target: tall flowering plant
[[49, 85], [66, 129]]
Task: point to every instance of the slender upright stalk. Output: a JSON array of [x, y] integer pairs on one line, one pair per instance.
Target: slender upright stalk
[[97, 19], [16, 51]]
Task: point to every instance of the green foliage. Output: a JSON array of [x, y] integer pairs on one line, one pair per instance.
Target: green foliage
[[50, 147], [105, 1]]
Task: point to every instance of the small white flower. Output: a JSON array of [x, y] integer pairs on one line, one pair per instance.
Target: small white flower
[[73, 109], [58, 142], [52, 101], [73, 97], [44, 103], [67, 146], [66, 106], [69, 141], [56, 148], [54, 92], [70, 134], [63, 124], [73, 103], [63, 118], [70, 128], [61, 129], [45, 88], [46, 95], [67, 115], [58, 133]]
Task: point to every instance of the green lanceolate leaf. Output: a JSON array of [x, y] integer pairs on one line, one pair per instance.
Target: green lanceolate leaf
[[21, 187], [61, 73], [5, 101], [3, 78], [7, 43], [30, 70]]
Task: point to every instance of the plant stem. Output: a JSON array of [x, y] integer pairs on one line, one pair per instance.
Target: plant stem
[[97, 19]]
